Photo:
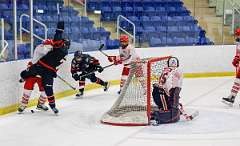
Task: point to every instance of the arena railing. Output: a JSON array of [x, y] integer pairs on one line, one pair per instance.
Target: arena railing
[[4, 43], [119, 28]]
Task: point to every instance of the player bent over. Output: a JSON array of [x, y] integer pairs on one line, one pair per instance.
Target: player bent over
[[28, 88], [47, 64], [127, 55], [236, 85], [83, 64], [166, 94]]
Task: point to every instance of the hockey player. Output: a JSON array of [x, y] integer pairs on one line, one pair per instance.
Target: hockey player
[[166, 93], [127, 55], [236, 85], [46, 66], [28, 88], [83, 64]]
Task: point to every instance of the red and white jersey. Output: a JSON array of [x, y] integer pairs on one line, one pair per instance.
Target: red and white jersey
[[40, 51], [128, 54], [171, 77]]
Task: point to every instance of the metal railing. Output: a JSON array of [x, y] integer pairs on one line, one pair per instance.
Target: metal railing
[[235, 10], [4, 43], [2, 33], [2, 57], [28, 31], [125, 31]]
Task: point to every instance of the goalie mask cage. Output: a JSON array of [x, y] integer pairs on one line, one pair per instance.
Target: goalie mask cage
[[135, 103]]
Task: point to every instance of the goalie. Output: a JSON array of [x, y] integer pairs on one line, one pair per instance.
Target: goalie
[[83, 66], [236, 85], [166, 94]]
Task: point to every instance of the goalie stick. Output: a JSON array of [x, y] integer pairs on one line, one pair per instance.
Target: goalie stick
[[187, 116]]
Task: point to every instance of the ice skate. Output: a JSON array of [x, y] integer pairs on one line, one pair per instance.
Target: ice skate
[[79, 95], [21, 108], [55, 110], [119, 92], [42, 107], [106, 86], [53, 107], [228, 100]]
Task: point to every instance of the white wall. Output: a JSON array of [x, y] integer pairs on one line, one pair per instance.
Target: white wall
[[193, 59]]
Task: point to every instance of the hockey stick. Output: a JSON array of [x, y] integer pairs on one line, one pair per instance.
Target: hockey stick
[[100, 49], [85, 75], [67, 83]]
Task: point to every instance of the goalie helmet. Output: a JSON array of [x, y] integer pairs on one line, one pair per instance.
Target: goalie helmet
[[173, 62]]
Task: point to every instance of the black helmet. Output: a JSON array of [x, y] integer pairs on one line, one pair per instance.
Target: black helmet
[[78, 54]]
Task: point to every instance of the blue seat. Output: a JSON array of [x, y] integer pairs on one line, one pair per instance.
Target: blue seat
[[93, 5], [106, 9], [139, 30], [149, 11], [170, 41], [138, 9], [161, 29], [155, 42], [149, 32], [116, 9], [112, 44], [103, 32], [106, 17], [4, 6], [85, 33], [144, 19], [127, 11]]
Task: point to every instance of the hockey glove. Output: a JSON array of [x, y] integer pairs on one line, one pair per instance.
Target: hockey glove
[[75, 76], [112, 58], [235, 61], [117, 61], [99, 68]]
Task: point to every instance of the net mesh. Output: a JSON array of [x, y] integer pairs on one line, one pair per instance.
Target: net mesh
[[135, 102]]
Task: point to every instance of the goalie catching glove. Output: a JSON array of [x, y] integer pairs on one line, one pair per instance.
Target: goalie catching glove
[[235, 61]]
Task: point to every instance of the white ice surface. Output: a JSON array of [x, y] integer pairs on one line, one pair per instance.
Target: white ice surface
[[78, 122]]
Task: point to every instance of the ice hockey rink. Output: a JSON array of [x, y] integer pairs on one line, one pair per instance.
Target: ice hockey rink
[[78, 122]]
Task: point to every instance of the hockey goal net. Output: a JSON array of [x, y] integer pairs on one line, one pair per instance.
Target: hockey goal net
[[135, 103]]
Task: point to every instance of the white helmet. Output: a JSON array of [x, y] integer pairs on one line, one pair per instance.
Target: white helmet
[[173, 62]]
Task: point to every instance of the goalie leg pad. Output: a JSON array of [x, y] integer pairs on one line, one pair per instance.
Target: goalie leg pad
[[164, 117]]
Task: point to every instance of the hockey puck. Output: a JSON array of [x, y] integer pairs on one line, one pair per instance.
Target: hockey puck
[[32, 111]]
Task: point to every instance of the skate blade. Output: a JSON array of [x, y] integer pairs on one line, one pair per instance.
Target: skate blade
[[227, 103], [78, 97], [20, 113], [107, 87], [40, 109]]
